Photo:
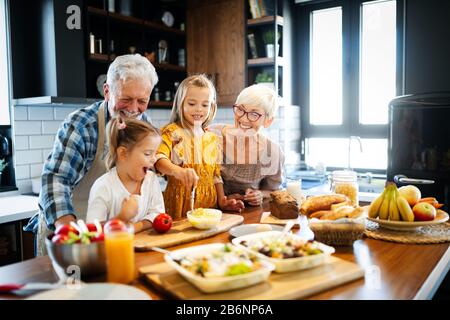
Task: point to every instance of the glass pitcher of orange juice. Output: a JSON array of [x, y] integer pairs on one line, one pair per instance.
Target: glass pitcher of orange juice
[[119, 249]]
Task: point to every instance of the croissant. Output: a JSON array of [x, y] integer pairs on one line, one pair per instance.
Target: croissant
[[318, 203]]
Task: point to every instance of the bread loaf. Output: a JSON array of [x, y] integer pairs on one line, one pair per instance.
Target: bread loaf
[[283, 205], [318, 203]]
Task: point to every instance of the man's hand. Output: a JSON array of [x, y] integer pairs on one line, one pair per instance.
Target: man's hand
[[65, 220], [187, 176], [253, 197], [130, 208], [231, 204]]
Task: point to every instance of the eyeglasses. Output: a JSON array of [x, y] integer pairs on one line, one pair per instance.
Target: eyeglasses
[[252, 116]]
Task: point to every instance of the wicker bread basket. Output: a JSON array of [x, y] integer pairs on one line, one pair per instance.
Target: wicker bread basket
[[341, 232]]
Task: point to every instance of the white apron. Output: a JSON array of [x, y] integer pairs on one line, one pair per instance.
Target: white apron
[[80, 194]]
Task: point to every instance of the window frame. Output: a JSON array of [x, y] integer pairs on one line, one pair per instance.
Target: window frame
[[6, 10], [351, 26]]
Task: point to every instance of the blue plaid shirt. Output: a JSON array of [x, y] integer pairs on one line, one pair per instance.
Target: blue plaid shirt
[[73, 153]]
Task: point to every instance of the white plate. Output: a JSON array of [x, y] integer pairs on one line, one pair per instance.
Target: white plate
[[246, 229], [291, 264], [217, 284], [441, 217], [94, 291]]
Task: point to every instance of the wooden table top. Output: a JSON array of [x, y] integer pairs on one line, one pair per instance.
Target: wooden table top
[[405, 271]]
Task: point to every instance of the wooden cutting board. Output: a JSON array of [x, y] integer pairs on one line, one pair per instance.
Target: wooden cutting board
[[181, 232], [292, 285]]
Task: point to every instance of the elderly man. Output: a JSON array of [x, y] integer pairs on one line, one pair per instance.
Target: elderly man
[[77, 157]]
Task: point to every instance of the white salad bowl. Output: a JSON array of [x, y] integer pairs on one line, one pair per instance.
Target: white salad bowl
[[216, 284], [288, 264]]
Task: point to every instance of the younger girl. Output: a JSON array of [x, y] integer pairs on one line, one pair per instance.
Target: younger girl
[[189, 155], [128, 191]]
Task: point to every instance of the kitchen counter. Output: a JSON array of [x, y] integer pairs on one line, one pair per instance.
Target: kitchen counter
[[402, 271], [17, 207]]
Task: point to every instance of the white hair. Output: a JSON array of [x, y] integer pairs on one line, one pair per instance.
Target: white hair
[[259, 95], [130, 66]]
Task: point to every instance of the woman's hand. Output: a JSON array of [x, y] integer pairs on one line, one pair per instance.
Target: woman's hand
[[130, 208], [253, 197], [231, 204], [236, 196], [187, 176]]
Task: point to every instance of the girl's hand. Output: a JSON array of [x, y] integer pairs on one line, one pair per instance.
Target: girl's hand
[[130, 208], [231, 204], [187, 176], [253, 197]]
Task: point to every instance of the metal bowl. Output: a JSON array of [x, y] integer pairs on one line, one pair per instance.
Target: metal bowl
[[91, 258]]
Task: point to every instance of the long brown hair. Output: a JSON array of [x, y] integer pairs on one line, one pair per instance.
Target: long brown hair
[[200, 81], [126, 132]]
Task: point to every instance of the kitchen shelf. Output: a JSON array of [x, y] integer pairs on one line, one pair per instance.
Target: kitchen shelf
[[261, 62], [169, 67], [124, 18], [160, 27], [265, 20], [99, 57], [154, 103], [97, 11]]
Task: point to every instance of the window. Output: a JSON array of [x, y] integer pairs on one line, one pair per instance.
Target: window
[[4, 82], [349, 71]]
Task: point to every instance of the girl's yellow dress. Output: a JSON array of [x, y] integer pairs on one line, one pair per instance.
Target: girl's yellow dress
[[200, 152]]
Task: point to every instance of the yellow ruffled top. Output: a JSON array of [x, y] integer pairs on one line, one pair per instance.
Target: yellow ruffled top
[[199, 152]]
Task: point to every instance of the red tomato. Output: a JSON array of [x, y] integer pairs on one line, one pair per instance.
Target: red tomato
[[99, 238], [91, 227], [60, 238], [162, 223], [115, 225], [65, 229]]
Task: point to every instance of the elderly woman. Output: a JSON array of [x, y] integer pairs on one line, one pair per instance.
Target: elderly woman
[[252, 164], [76, 160]]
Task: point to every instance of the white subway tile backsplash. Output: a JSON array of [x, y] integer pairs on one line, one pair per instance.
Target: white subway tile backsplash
[[60, 113], [22, 128], [50, 127], [21, 143], [36, 170], [40, 113], [160, 114], [41, 142], [24, 186], [22, 172], [20, 113], [28, 157], [46, 153]]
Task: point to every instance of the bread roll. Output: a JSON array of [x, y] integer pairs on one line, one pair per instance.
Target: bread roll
[[318, 203]]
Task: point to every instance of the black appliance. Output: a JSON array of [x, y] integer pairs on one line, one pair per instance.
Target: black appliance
[[419, 143]]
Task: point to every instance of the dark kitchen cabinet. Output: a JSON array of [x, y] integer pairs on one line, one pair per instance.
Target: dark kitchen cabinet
[[216, 46]]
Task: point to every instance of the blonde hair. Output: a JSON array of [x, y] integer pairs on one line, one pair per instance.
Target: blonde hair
[[200, 81], [126, 132], [259, 95]]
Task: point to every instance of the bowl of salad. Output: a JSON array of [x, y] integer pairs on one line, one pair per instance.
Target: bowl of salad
[[286, 252], [204, 219], [219, 267]]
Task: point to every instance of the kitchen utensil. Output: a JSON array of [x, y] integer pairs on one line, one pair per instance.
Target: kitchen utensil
[[305, 231], [193, 198], [15, 287], [287, 228], [173, 256], [4, 146]]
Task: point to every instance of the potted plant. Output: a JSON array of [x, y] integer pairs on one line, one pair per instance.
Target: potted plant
[[265, 78], [3, 165], [269, 40]]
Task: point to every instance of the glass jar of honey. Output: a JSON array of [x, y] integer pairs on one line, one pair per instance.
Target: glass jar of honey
[[346, 182]]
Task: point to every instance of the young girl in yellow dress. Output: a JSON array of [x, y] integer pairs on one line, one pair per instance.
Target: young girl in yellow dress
[[188, 155]]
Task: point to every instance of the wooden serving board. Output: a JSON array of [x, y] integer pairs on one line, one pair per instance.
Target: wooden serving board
[[292, 285], [181, 232]]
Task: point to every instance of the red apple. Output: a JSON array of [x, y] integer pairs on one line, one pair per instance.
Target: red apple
[[162, 223], [423, 211]]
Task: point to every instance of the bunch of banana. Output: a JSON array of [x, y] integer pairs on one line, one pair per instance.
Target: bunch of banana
[[390, 205]]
